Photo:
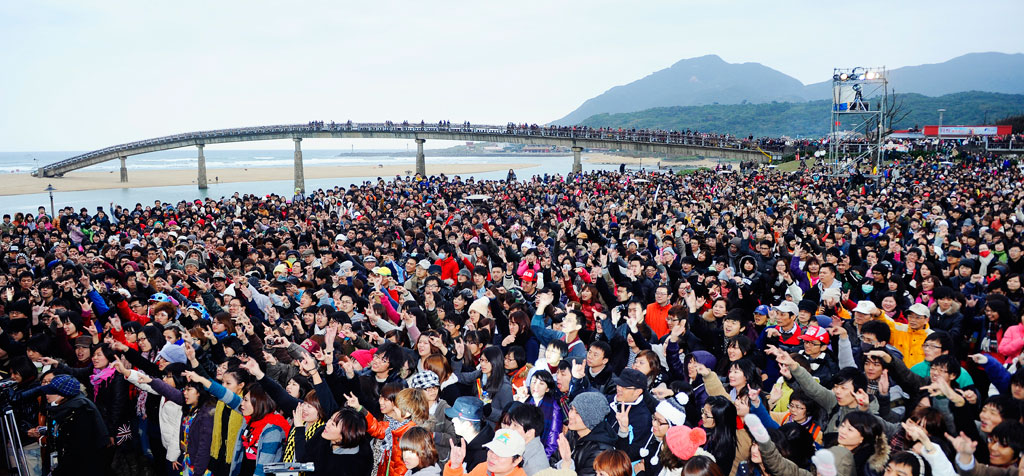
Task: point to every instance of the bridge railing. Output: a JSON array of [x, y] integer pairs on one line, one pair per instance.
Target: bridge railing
[[638, 136]]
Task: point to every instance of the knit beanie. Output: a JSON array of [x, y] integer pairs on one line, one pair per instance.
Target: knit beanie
[[480, 306], [592, 408], [684, 441], [673, 409]]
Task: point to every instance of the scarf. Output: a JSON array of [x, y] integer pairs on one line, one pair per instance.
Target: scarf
[[140, 403], [310, 432], [254, 430], [100, 377], [393, 425]]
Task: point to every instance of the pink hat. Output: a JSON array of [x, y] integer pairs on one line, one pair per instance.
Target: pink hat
[[363, 356], [684, 441]]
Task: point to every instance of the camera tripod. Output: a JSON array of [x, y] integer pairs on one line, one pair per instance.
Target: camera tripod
[[12, 444]]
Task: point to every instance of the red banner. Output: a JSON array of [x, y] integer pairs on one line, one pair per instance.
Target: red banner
[[967, 131]]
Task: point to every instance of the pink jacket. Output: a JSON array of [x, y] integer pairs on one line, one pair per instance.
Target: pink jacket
[[1012, 342]]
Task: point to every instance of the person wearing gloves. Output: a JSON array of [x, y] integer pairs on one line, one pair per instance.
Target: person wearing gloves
[[504, 456], [79, 435], [834, 461]]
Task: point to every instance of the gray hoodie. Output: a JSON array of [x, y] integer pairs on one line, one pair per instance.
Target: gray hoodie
[[534, 457]]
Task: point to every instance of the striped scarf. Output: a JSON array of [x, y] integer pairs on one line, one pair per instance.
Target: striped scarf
[[310, 429]]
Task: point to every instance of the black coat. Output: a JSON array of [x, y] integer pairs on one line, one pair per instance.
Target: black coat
[[356, 461], [111, 398], [585, 449], [79, 437]]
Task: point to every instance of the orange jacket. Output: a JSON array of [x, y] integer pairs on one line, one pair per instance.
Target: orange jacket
[[377, 429]]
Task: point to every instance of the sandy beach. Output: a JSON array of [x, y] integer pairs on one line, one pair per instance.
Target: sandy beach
[[16, 184], [612, 159]]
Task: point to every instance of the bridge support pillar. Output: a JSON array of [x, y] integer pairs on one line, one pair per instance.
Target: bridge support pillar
[[300, 175], [577, 166], [124, 170], [202, 168], [421, 160]]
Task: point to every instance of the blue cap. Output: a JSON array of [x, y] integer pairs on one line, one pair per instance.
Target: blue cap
[[762, 309], [466, 408]]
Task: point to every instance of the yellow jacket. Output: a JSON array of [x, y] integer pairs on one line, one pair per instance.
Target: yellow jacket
[[907, 340]]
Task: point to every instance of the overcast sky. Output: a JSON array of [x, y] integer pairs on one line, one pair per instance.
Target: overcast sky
[[83, 75]]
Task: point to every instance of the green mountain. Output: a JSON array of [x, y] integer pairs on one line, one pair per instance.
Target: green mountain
[[711, 80], [811, 119]]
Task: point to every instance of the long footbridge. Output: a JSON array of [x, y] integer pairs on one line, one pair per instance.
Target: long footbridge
[[655, 142]]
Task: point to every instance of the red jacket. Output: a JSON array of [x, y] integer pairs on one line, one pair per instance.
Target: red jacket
[[449, 268]]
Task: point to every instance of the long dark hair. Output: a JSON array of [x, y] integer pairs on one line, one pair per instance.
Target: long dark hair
[[722, 438], [494, 355]]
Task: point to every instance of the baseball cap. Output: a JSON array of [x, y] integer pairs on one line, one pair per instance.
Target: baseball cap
[[425, 264], [865, 307], [507, 443], [819, 334], [530, 275], [787, 306], [631, 378], [762, 309], [920, 310]]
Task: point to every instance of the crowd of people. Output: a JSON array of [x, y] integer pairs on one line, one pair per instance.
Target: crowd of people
[[598, 324]]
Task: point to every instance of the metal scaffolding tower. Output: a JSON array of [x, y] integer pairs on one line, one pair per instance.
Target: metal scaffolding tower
[[858, 126]]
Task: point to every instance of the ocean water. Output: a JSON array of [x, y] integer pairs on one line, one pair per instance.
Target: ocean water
[[24, 162]]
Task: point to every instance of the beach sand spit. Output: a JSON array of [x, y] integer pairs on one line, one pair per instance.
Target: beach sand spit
[[17, 184]]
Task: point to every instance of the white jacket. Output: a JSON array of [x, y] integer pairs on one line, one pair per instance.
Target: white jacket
[[170, 419]]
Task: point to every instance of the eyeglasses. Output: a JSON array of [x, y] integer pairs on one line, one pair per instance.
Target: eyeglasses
[[659, 422], [704, 412], [932, 346]]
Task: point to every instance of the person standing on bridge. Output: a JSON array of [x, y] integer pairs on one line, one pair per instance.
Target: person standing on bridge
[[298, 196], [511, 176]]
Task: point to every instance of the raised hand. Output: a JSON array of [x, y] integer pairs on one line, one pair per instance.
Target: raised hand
[[862, 398], [194, 377], [458, 453], [742, 405], [578, 370], [253, 367], [964, 446], [883, 383], [622, 415], [881, 354], [308, 364]]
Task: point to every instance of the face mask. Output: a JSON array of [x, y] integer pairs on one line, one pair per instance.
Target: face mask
[[865, 347], [984, 254], [442, 255], [867, 288]]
